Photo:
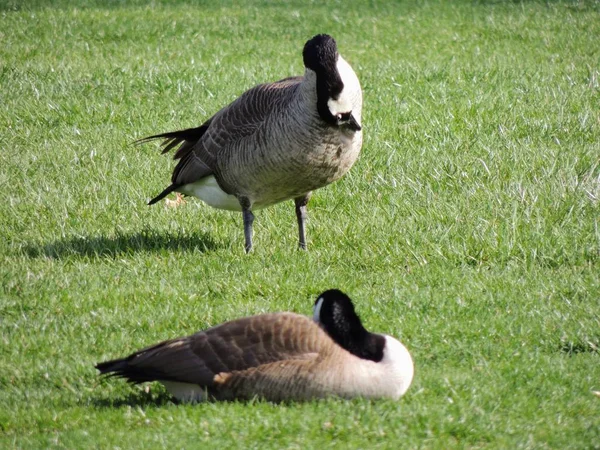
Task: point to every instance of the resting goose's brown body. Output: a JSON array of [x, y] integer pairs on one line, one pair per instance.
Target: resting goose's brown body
[[277, 141], [277, 357]]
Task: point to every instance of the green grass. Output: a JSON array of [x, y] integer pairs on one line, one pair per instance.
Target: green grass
[[469, 227]]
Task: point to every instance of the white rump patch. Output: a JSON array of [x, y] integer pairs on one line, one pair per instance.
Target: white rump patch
[[208, 190], [185, 392]]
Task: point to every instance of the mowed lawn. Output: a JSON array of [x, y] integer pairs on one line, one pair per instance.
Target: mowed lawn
[[469, 227]]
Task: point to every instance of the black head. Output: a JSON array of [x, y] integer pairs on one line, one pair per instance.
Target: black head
[[320, 53], [335, 313], [321, 56]]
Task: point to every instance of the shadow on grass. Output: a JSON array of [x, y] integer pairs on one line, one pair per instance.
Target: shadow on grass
[[588, 345], [122, 244], [29, 5], [145, 399], [157, 396], [32, 5], [137, 398]]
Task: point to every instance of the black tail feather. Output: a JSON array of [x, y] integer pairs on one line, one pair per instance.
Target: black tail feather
[[114, 365], [120, 368], [173, 138], [187, 138], [163, 194]]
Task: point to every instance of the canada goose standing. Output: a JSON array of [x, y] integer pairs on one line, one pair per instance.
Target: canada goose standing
[[278, 141], [277, 357]]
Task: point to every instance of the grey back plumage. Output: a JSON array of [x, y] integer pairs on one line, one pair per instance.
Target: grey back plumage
[[233, 133], [269, 145]]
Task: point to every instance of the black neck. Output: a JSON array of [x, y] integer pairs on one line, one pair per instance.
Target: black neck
[[354, 338], [368, 346], [329, 86], [321, 56]]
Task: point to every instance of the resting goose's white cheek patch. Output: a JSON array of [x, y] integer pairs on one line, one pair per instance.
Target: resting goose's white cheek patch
[[317, 310]]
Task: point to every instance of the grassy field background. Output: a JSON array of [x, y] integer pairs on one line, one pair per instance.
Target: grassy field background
[[469, 227]]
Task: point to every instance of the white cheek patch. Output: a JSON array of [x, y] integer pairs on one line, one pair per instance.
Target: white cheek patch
[[317, 310], [345, 102], [342, 105]]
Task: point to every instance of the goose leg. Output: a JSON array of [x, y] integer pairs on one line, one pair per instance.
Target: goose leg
[[248, 220], [301, 215]]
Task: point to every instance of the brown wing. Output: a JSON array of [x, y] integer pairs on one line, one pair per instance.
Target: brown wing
[[233, 346], [240, 119], [257, 340], [290, 379]]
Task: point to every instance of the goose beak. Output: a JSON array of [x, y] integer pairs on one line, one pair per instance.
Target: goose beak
[[353, 123]]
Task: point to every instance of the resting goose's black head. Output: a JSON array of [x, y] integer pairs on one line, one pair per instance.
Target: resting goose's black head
[[335, 313], [321, 56]]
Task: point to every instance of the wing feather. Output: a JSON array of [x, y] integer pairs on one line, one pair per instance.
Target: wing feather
[[240, 119], [238, 345]]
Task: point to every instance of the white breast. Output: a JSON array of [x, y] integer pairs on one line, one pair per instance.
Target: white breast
[[389, 378], [399, 364]]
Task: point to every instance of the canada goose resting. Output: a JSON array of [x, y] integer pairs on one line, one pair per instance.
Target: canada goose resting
[[277, 357], [278, 141]]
